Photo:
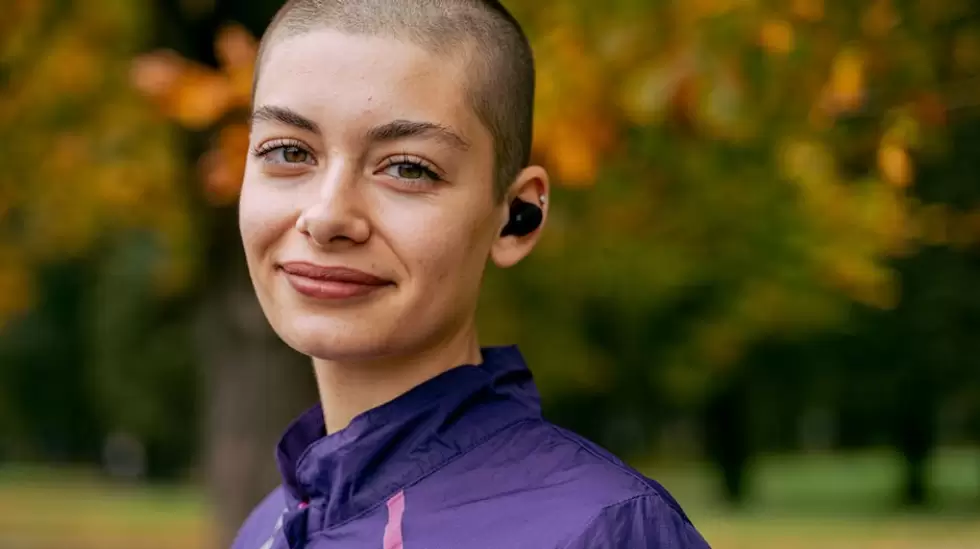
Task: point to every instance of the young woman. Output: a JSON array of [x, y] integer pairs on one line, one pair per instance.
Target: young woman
[[390, 143]]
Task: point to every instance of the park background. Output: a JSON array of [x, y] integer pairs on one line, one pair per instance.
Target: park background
[[757, 283]]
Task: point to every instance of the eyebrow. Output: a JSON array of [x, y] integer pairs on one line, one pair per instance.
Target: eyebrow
[[283, 115], [402, 129], [391, 131]]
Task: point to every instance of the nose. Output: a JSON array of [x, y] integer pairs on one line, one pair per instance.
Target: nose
[[335, 216]]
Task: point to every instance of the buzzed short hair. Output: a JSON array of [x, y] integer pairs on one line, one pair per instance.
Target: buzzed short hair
[[500, 62]]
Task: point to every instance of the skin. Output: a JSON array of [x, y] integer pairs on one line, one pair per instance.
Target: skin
[[324, 185]]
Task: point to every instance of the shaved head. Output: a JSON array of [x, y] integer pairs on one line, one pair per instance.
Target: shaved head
[[482, 34]]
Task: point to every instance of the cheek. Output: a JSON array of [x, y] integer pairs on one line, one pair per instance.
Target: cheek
[[442, 247], [263, 216]]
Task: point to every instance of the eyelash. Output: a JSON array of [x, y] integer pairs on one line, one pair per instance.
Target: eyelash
[[414, 162], [264, 149]]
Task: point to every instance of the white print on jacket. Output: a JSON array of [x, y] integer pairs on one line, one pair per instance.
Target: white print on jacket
[[272, 538]]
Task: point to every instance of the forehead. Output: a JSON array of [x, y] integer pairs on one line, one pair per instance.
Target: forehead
[[355, 79]]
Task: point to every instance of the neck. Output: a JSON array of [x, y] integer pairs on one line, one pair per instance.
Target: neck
[[350, 388]]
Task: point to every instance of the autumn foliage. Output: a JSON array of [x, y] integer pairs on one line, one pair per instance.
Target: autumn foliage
[[199, 97], [771, 148], [83, 159]]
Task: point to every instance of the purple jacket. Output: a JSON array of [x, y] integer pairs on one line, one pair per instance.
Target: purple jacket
[[463, 461]]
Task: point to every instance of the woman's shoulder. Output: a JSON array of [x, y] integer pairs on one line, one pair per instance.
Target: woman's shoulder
[[263, 522], [595, 470], [536, 481], [539, 459]]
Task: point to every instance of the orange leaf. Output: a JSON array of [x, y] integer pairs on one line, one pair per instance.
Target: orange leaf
[[200, 98], [845, 90], [156, 74], [895, 165], [809, 10], [236, 50], [224, 166], [776, 36], [235, 47], [575, 158]]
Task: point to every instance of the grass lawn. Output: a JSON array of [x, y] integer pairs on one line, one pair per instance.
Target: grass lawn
[[835, 502], [825, 502]]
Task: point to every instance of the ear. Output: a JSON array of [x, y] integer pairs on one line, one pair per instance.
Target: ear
[[530, 186]]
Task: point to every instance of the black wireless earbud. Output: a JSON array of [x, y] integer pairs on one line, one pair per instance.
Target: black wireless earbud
[[524, 218]]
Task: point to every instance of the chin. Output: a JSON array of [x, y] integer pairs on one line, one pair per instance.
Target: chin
[[321, 337]]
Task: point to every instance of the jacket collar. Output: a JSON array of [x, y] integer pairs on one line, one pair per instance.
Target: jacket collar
[[386, 448]]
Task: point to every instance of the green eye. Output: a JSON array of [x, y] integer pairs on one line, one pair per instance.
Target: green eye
[[295, 155], [410, 171]]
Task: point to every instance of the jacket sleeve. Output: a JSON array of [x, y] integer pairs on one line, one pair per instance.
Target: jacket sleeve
[[644, 522]]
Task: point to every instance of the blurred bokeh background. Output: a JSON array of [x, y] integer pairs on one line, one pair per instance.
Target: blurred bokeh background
[[757, 283]]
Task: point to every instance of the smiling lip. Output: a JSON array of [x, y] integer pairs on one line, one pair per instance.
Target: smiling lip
[[323, 282]]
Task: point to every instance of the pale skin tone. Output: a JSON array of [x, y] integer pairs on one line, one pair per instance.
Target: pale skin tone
[[366, 155]]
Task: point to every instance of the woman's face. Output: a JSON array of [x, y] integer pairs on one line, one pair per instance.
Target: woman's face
[[367, 211]]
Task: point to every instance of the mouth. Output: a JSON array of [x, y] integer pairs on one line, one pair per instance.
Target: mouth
[[331, 282]]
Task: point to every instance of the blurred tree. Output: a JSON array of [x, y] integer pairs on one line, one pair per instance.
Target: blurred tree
[[85, 159], [763, 151], [87, 169]]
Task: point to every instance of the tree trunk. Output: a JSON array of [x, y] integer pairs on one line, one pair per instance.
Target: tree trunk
[[727, 437], [916, 423], [254, 386]]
